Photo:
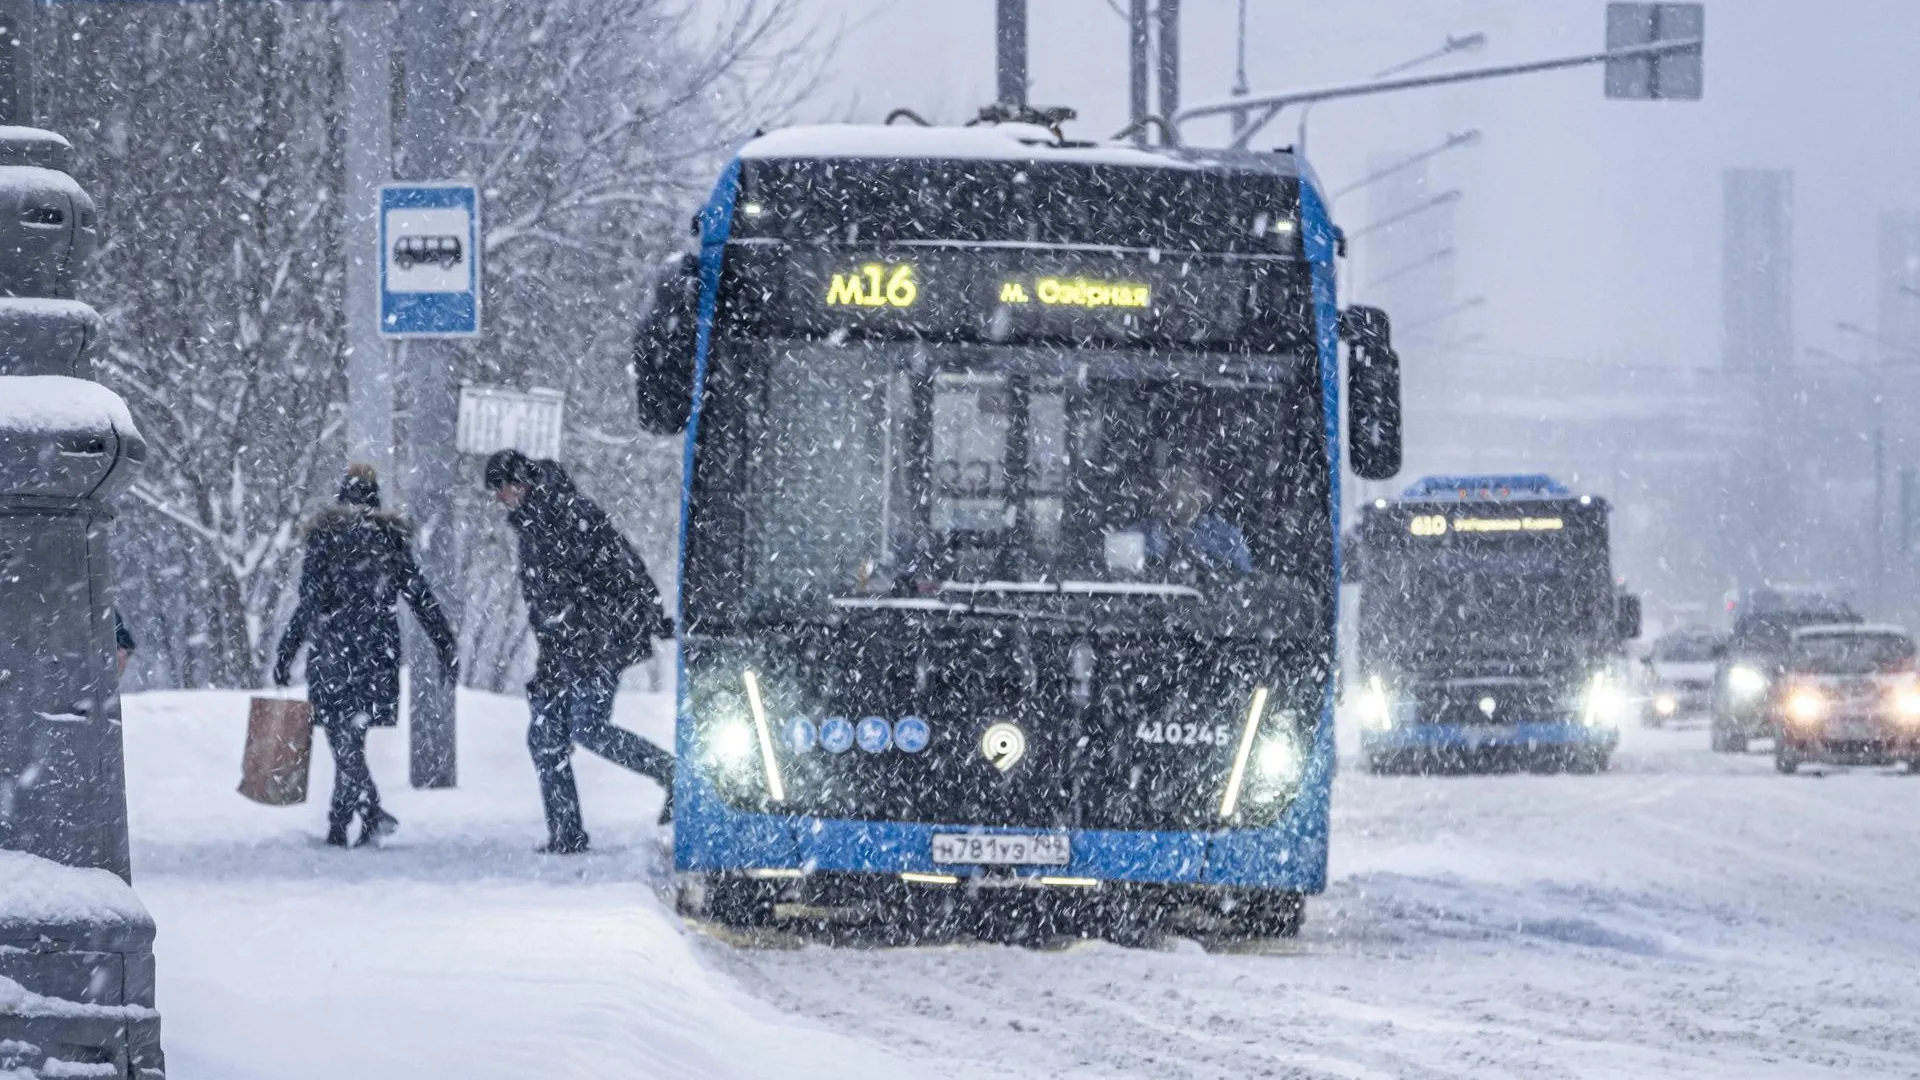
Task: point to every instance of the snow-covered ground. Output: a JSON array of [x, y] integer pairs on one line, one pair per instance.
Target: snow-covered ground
[[1687, 914]]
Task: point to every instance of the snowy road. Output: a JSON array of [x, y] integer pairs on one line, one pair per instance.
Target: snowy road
[[1685, 915]]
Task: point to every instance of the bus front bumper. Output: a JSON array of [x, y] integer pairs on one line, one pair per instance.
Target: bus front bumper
[[1416, 738], [1291, 855]]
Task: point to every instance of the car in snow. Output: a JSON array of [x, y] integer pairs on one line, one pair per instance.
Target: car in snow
[[1748, 673], [1677, 674], [1848, 694]]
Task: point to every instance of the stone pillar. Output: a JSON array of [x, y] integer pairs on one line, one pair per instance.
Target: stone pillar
[[76, 947]]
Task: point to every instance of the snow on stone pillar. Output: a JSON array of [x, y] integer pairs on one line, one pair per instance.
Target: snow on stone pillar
[[76, 972]]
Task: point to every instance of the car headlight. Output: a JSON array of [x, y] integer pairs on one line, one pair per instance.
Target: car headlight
[[1604, 703], [1746, 683], [1806, 705], [1376, 711], [1666, 705], [1906, 704]]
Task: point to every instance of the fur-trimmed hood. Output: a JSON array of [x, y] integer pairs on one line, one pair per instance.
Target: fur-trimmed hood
[[342, 515]]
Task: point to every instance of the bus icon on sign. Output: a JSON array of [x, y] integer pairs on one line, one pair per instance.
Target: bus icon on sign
[[412, 251]]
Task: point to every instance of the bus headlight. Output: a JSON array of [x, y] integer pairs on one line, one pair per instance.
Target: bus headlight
[[1604, 703], [1279, 760], [730, 744], [1806, 706], [736, 732], [1376, 712], [1665, 705], [1746, 683]]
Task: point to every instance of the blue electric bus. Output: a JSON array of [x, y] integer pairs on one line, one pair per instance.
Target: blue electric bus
[[1008, 552], [1491, 630]]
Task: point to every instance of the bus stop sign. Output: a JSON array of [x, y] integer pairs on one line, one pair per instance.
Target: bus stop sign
[[429, 260], [1675, 75]]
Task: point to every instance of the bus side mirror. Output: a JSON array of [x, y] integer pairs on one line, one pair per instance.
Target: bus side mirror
[[1626, 617], [1373, 393], [663, 351]]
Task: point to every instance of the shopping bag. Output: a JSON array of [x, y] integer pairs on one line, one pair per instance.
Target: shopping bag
[[279, 751]]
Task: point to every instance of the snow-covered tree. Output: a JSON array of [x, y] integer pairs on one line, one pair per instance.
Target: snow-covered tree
[[211, 135]]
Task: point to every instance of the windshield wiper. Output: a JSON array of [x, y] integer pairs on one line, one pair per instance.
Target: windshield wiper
[[1073, 588]]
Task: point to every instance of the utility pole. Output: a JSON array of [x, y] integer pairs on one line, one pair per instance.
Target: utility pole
[[430, 34], [1139, 44], [16, 62], [1241, 88], [367, 146], [1011, 50]]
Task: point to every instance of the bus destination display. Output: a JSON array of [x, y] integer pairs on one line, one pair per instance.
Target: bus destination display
[[1001, 296]]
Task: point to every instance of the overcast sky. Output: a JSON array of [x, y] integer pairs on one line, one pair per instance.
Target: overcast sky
[[1592, 227]]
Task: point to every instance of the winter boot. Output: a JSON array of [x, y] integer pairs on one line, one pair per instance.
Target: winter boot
[[380, 825], [337, 836]]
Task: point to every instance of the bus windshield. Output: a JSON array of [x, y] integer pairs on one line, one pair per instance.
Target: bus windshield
[[1518, 597], [912, 471]]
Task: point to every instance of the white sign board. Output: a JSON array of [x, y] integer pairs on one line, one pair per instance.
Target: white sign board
[[495, 418], [429, 260]]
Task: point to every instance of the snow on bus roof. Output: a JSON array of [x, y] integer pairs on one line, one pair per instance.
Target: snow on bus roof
[[1005, 142]]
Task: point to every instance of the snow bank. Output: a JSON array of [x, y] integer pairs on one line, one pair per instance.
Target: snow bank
[[34, 890], [456, 950], [50, 403]]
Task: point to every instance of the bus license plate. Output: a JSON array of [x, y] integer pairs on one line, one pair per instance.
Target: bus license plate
[[1001, 849]]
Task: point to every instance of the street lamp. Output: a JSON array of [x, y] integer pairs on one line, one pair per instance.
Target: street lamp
[[1470, 137], [1439, 256], [1462, 43], [1452, 195], [1893, 350], [1441, 316]]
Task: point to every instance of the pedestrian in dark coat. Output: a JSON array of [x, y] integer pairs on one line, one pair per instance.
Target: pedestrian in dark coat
[[595, 611], [359, 564]]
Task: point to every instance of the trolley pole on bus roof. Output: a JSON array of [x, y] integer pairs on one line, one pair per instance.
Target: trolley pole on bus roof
[[428, 153]]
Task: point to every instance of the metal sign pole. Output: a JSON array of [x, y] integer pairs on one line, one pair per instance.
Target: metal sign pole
[[367, 69], [432, 54]]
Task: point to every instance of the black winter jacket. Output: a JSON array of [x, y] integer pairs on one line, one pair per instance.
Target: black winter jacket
[[359, 563], [593, 606]]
